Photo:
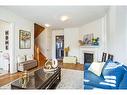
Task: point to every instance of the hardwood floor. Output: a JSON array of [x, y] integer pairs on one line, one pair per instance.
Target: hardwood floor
[[5, 79]]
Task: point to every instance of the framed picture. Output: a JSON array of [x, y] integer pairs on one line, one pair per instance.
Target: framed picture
[[6, 42], [6, 47], [6, 32], [87, 39], [6, 37], [24, 39]]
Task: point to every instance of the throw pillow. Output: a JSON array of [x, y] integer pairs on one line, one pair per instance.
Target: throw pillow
[[113, 72], [123, 83], [96, 68]]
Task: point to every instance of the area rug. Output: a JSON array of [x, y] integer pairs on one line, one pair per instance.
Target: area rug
[[71, 79]]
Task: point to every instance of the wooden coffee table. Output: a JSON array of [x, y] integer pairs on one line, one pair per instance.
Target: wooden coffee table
[[40, 80]]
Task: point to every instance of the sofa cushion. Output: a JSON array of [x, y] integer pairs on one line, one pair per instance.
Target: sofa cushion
[[113, 72], [86, 66], [125, 67], [91, 79], [94, 81], [123, 83], [96, 67], [89, 87], [107, 85]]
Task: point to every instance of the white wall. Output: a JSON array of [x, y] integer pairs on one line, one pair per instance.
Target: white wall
[[41, 42], [54, 34], [4, 26], [44, 41], [49, 43], [111, 29], [98, 28], [17, 23], [71, 37], [117, 33]]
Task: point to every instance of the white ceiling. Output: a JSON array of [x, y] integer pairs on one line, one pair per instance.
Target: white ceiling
[[79, 15]]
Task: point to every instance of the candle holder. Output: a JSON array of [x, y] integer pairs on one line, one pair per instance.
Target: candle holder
[[25, 79]]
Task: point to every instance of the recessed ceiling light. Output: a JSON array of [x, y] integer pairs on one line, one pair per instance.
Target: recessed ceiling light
[[47, 25], [64, 18]]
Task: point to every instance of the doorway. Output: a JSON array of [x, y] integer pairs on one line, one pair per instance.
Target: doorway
[[59, 47]]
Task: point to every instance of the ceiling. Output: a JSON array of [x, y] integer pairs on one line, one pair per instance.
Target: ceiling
[[78, 15]]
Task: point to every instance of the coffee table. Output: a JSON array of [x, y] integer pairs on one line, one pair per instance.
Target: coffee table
[[40, 80]]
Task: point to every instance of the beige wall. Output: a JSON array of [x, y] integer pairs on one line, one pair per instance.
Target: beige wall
[[44, 41]]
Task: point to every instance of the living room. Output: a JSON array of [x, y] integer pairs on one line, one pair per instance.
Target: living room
[[108, 23]]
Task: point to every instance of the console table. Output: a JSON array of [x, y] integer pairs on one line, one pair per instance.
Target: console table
[[40, 80]]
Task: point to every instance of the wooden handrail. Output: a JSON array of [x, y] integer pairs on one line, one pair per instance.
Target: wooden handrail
[[41, 59], [38, 51]]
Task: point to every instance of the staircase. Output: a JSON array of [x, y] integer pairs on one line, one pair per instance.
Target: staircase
[[37, 53], [37, 30]]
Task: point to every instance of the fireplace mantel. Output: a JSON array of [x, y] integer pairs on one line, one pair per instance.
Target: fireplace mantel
[[88, 46], [88, 49]]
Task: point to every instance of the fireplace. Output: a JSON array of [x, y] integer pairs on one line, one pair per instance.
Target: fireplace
[[88, 57], [90, 53]]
